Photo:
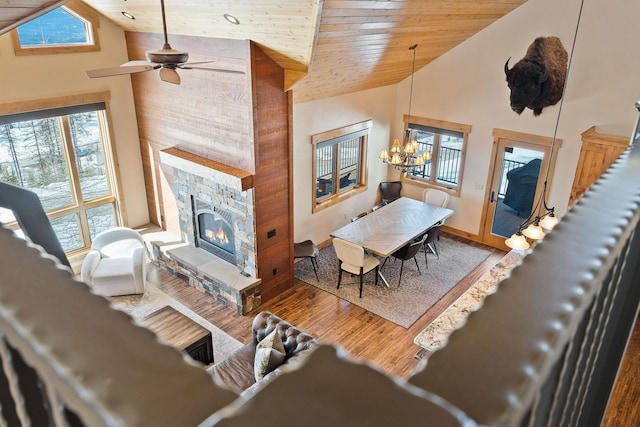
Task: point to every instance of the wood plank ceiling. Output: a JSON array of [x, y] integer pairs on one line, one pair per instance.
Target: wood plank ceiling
[[327, 47]]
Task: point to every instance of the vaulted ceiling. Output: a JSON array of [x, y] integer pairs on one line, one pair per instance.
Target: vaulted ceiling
[[327, 47]]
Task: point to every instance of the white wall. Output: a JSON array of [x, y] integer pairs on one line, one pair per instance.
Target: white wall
[[310, 118], [467, 85], [47, 76]]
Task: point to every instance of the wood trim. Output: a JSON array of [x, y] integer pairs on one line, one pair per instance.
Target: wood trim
[[77, 8], [245, 178], [591, 135], [442, 124], [345, 130], [53, 102]]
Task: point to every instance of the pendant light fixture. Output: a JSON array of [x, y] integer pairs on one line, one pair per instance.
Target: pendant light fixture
[[404, 156]]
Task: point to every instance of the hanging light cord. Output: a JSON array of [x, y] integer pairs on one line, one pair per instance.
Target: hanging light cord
[[543, 202], [413, 67]]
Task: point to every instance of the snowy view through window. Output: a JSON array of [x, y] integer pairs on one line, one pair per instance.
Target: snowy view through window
[[34, 154]]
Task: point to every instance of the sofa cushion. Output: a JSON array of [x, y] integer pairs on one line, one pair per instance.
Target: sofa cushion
[[269, 355], [235, 372]]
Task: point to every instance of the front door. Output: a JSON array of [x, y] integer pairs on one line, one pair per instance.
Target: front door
[[516, 177]]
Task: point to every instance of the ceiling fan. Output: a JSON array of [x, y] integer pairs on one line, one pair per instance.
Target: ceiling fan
[[166, 59]]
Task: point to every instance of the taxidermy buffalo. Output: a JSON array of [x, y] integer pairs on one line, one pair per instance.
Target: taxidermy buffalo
[[537, 80]]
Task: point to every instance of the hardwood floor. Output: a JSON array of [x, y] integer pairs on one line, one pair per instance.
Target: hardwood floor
[[332, 320], [369, 337]]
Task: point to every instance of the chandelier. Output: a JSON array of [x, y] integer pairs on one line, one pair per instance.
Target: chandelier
[[404, 156], [543, 217]]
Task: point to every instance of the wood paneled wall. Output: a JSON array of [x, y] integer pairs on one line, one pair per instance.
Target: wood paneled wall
[[208, 114], [240, 120], [274, 174]]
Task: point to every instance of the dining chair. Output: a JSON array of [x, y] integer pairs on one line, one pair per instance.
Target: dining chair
[[432, 235], [352, 259], [390, 191], [436, 197], [408, 251], [307, 249], [360, 215]]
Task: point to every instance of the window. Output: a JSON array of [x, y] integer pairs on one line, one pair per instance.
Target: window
[[339, 159], [69, 28], [446, 142], [64, 155]]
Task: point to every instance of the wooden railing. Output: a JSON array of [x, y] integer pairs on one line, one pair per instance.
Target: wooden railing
[[543, 350]]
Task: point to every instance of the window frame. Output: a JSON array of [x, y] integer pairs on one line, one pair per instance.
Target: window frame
[[333, 138], [110, 161], [431, 182], [80, 11]]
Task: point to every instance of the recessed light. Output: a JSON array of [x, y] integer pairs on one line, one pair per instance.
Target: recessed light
[[128, 15], [232, 19]]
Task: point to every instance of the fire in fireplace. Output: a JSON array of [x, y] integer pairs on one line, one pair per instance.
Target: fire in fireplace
[[213, 228]]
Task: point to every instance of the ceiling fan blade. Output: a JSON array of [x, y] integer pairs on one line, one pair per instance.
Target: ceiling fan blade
[[137, 62], [117, 71], [169, 75], [188, 66]]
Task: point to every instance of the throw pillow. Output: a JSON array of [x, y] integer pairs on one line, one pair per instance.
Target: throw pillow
[[270, 354]]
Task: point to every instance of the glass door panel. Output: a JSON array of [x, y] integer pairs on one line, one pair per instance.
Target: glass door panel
[[518, 179]]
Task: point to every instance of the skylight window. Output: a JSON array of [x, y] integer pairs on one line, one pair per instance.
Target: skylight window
[[69, 28]]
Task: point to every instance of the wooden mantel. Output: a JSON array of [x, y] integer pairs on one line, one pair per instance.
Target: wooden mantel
[[235, 178]]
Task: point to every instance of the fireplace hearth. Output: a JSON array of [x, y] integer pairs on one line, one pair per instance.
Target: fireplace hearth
[[214, 230]]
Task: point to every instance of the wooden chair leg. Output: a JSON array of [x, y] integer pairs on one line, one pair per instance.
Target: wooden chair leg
[[377, 274], [400, 278], [339, 274], [419, 272], [361, 278]]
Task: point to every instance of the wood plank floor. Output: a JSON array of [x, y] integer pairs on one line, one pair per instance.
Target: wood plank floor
[[332, 320], [369, 337]]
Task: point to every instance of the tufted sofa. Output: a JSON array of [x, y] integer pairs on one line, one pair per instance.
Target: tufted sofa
[[236, 372]]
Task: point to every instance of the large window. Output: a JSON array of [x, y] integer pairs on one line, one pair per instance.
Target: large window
[[446, 142], [63, 155], [339, 159], [69, 28]]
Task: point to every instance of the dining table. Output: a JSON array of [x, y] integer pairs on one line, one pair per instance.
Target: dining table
[[389, 228]]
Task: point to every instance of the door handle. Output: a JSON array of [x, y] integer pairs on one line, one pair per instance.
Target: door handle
[[493, 195]]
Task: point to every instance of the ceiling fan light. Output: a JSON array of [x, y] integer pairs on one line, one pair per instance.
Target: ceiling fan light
[[517, 241]]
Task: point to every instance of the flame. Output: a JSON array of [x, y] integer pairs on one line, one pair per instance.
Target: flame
[[221, 236]]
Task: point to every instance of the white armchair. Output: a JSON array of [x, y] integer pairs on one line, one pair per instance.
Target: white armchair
[[116, 263]]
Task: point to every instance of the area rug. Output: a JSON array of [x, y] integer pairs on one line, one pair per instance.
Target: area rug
[[406, 303], [153, 299]]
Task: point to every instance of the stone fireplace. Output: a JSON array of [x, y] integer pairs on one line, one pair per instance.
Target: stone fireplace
[[215, 213]]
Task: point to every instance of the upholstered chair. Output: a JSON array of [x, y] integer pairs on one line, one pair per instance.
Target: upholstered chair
[[436, 197], [352, 259], [390, 191], [116, 263]]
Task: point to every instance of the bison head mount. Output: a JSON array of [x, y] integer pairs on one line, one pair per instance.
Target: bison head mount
[[537, 80]]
